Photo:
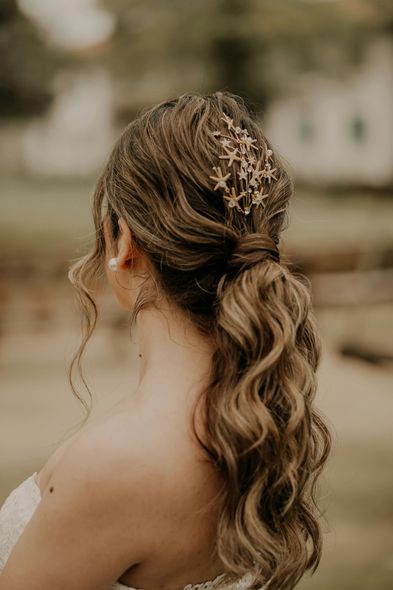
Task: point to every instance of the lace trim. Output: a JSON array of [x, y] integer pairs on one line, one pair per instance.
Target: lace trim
[[15, 513], [240, 584], [204, 585]]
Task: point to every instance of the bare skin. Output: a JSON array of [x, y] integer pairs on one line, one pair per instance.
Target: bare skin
[[135, 488]]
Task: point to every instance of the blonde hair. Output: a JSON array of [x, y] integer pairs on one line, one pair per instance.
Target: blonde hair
[[263, 434]]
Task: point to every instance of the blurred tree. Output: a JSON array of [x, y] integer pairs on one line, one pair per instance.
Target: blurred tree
[[379, 17], [232, 51], [255, 48], [27, 64]]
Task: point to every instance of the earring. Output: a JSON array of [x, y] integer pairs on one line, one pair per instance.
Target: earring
[[112, 263]]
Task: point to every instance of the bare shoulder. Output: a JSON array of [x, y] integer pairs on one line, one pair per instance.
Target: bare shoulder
[[106, 459], [143, 455], [99, 513], [114, 498]]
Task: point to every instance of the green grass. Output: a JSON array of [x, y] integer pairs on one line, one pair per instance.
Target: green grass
[[335, 221], [40, 214], [56, 213]]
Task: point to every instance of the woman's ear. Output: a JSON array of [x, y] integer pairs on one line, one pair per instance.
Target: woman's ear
[[125, 247]]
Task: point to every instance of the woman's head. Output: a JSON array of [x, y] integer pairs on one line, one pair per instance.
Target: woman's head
[[158, 181], [177, 238]]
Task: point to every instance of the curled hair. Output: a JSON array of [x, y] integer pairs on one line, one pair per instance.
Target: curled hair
[[220, 268]]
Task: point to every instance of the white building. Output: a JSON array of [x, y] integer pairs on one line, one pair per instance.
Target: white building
[[74, 136], [340, 132]]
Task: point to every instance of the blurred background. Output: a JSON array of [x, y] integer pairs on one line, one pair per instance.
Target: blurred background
[[319, 77]]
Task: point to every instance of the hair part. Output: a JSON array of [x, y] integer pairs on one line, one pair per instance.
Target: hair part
[[263, 433]]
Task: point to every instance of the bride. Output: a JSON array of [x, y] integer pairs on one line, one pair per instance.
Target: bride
[[205, 474]]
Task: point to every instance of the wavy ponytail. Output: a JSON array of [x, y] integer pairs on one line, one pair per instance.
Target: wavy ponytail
[[222, 270], [265, 437]]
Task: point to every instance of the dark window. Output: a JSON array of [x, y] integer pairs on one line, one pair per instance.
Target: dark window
[[306, 127], [358, 128]]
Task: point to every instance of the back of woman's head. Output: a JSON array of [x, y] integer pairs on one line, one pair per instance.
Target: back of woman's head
[[220, 265]]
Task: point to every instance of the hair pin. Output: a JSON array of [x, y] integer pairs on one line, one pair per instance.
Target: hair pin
[[239, 147]]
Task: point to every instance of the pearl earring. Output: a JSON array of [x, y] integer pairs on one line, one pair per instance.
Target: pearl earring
[[112, 263]]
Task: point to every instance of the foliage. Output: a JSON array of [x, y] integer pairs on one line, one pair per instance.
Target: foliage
[[253, 47], [27, 64]]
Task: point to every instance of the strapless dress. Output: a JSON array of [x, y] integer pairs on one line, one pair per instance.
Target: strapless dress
[[19, 507]]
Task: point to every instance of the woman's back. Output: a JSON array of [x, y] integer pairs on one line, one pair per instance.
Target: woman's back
[[182, 532]]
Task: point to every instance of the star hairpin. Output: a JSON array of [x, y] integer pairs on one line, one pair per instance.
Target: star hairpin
[[231, 156], [259, 197], [253, 170], [233, 199], [220, 179]]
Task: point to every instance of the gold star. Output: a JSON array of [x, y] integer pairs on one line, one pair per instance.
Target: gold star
[[231, 156], [257, 174], [233, 199], [220, 179], [269, 174], [249, 142], [242, 174], [258, 198], [243, 148], [225, 142], [228, 121]]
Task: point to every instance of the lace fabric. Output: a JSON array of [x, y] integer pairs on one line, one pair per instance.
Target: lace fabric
[[19, 507], [15, 513]]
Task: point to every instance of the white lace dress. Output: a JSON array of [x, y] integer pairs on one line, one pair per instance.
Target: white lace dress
[[18, 508]]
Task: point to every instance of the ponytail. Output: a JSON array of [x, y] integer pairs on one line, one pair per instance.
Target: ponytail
[[266, 438]]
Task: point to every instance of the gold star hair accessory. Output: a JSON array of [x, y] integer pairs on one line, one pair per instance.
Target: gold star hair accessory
[[252, 171]]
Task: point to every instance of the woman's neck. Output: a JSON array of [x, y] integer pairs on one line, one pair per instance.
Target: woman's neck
[[171, 351]]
